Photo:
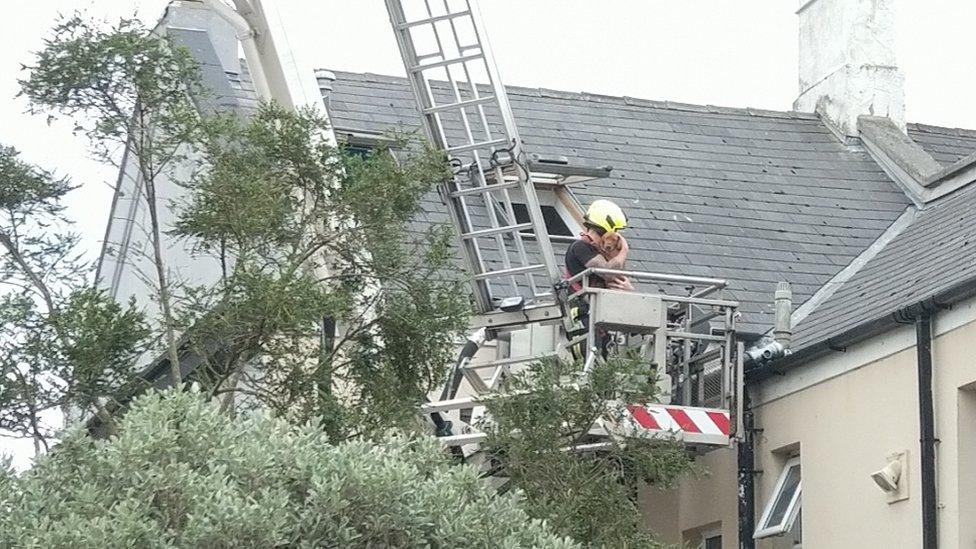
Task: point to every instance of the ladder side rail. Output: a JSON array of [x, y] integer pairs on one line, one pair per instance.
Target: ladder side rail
[[508, 119], [476, 157], [487, 198], [499, 177], [435, 132]]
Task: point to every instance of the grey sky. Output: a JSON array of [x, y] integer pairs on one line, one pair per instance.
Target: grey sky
[[732, 53]]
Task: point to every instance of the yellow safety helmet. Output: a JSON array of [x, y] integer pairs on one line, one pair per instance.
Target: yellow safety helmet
[[606, 215]]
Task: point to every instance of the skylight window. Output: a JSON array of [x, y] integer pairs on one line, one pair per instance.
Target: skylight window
[[559, 221], [555, 224]]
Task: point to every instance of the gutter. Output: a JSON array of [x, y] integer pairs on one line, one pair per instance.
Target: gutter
[[838, 343]]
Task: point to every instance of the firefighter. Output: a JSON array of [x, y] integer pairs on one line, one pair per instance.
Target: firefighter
[[602, 217]]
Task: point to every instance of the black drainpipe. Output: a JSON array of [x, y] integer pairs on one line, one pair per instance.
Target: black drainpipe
[[747, 470], [921, 315], [926, 416]]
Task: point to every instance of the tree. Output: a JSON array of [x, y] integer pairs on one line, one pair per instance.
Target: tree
[[335, 306], [63, 345], [287, 216], [539, 439], [183, 474], [125, 89], [294, 216]]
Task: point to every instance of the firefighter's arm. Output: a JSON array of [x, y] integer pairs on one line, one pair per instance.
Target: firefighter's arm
[[617, 262]]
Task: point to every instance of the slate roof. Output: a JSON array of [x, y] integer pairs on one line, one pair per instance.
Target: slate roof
[[751, 196], [946, 145], [931, 256]]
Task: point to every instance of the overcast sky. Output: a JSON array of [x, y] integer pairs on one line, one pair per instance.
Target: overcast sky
[[738, 53]]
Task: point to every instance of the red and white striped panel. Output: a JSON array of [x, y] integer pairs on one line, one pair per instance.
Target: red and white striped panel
[[686, 423]]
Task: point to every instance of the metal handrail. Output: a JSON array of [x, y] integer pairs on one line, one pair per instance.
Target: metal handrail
[[711, 284], [664, 297]]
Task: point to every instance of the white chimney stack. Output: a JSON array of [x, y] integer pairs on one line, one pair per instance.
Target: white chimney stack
[[847, 62]]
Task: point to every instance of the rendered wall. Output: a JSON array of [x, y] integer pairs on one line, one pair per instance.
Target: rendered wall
[[845, 414], [705, 503], [126, 268]]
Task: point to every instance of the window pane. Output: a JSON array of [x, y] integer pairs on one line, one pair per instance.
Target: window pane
[[714, 542], [357, 150], [784, 497], [554, 222]]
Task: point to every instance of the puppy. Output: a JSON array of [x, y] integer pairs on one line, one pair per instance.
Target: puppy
[[610, 245]]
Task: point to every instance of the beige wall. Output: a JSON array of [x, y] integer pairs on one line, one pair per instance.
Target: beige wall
[[844, 426], [698, 504], [954, 373]]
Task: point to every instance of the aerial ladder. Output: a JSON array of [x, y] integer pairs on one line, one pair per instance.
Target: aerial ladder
[[681, 325]]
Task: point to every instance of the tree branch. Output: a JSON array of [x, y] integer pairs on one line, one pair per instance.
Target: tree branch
[[36, 280]]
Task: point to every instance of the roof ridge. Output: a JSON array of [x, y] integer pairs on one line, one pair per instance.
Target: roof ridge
[[606, 98], [932, 128]]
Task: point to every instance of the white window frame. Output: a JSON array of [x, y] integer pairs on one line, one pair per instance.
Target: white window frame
[[764, 530], [797, 536], [547, 197]]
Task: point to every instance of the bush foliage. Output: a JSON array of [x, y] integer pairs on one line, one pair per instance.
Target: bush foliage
[[182, 474]]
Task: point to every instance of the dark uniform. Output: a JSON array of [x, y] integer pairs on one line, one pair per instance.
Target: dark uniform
[[579, 253]]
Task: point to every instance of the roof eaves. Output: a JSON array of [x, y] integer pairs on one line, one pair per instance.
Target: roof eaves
[[934, 301]]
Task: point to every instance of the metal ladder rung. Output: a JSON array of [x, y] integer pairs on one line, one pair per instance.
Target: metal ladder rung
[[475, 146], [508, 272], [496, 230], [485, 189], [446, 62], [429, 56], [444, 17], [460, 105]]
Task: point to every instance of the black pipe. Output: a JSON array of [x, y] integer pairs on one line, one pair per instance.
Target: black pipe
[[454, 380], [747, 469], [926, 416], [443, 427]]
